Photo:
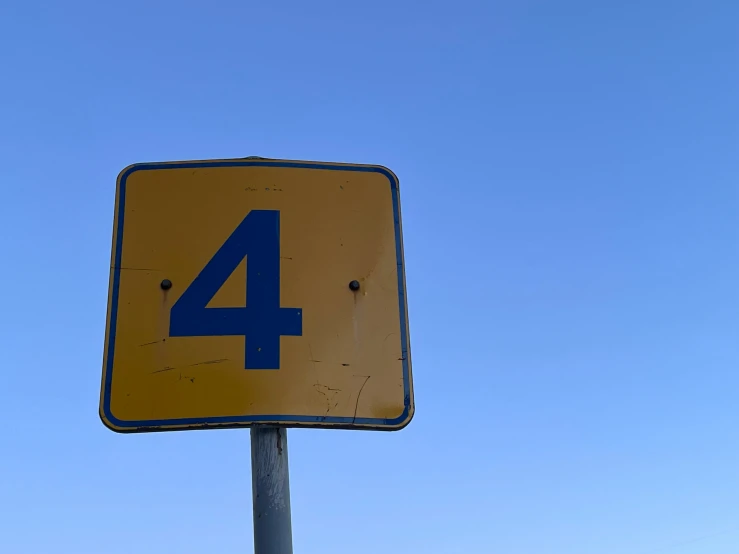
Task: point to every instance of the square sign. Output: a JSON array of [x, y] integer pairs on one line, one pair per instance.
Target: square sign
[[255, 291]]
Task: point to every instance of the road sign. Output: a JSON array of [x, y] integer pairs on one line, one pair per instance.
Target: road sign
[[254, 291]]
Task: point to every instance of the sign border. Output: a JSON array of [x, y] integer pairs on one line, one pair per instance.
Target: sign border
[[226, 422]]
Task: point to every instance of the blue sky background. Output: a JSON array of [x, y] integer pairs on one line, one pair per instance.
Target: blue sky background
[[569, 186]]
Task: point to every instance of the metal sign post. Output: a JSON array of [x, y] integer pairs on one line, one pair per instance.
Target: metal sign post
[[270, 482]]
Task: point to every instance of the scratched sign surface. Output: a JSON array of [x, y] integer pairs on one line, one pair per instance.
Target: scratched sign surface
[[230, 301]]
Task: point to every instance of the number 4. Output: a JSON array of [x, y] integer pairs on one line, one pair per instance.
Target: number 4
[[262, 321]]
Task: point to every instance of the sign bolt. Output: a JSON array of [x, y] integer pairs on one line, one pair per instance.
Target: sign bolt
[[354, 285], [166, 284]]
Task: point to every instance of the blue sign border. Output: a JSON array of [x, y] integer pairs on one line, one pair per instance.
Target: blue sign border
[[245, 421]]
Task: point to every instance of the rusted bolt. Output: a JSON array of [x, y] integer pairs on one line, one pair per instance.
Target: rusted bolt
[[166, 284], [354, 285]]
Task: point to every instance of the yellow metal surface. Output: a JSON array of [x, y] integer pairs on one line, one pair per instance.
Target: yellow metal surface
[[349, 367]]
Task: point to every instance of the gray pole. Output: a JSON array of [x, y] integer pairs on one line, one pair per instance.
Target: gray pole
[[270, 489]]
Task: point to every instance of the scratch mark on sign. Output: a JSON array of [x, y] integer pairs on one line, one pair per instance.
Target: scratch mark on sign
[[207, 362], [218, 361], [162, 370], [153, 342], [326, 388], [313, 361], [356, 406], [328, 393]]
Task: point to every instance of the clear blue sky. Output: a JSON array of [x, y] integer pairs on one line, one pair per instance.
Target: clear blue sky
[[569, 177]]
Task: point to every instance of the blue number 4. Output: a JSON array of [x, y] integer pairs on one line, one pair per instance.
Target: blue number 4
[[262, 321]]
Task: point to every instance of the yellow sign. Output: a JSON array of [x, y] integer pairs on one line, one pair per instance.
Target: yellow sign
[[254, 291]]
